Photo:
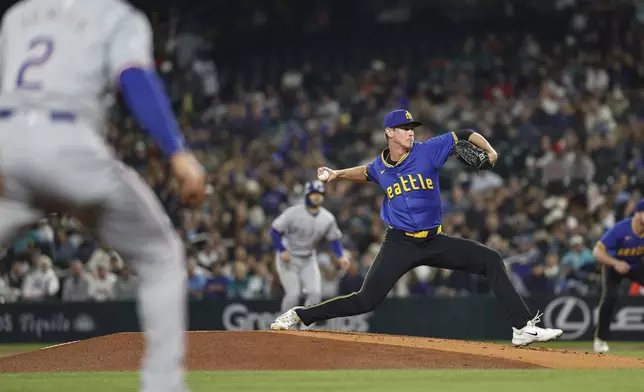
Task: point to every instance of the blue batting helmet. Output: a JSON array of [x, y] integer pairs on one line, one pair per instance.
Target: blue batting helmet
[[316, 186]]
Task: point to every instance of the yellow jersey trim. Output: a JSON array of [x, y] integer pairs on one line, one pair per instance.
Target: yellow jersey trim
[[422, 234], [382, 157]]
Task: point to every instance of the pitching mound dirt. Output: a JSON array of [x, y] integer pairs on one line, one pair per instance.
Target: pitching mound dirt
[[264, 350]]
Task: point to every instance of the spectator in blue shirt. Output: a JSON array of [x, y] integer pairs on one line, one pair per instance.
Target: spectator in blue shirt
[[578, 257], [217, 286], [238, 286], [196, 280]]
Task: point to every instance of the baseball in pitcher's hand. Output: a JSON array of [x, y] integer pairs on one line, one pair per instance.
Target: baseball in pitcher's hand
[[191, 175], [285, 256], [332, 173]]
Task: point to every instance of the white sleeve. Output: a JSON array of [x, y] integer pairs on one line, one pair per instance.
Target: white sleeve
[[130, 44], [67, 288], [3, 48], [28, 288], [91, 280], [53, 285], [333, 232], [282, 222]]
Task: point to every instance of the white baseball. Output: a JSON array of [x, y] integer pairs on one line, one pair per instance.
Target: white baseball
[[324, 175]]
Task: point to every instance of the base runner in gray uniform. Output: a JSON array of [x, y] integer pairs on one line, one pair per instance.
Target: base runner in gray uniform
[[296, 234], [59, 60]]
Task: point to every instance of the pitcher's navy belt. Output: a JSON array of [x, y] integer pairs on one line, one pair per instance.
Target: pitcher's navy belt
[[54, 115], [422, 234]]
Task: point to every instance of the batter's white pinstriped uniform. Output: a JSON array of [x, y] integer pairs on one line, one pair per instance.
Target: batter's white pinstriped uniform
[[59, 59]]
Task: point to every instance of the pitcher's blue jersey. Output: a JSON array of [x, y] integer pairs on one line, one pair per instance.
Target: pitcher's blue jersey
[[412, 194], [622, 243]]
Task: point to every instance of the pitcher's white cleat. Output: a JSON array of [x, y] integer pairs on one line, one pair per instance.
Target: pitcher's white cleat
[[286, 320], [600, 346], [531, 333]]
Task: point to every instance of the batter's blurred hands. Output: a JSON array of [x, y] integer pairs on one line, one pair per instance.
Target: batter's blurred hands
[[191, 175], [285, 256], [344, 262]]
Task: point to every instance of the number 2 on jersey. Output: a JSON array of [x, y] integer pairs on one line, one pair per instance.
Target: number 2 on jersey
[[47, 45]]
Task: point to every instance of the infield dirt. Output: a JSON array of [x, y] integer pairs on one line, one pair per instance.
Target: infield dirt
[[310, 350]]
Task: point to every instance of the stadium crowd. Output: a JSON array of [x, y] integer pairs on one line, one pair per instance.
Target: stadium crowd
[[564, 109]]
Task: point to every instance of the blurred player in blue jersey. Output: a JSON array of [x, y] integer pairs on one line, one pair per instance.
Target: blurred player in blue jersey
[[620, 252]]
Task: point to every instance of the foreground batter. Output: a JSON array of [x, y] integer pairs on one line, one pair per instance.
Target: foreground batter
[[296, 234], [620, 252], [407, 171], [58, 61]]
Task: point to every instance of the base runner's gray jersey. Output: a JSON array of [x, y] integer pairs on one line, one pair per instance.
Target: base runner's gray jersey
[[303, 231], [67, 55]]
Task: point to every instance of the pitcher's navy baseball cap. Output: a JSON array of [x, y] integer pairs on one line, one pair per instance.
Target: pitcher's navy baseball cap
[[400, 118], [639, 207]]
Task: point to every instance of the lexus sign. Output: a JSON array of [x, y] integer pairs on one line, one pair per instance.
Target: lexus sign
[[574, 316], [570, 314]]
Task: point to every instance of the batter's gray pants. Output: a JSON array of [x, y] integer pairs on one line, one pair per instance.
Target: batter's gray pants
[[64, 166], [299, 276]]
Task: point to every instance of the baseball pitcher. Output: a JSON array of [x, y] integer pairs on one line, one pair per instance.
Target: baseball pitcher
[[59, 60], [408, 173], [296, 234]]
